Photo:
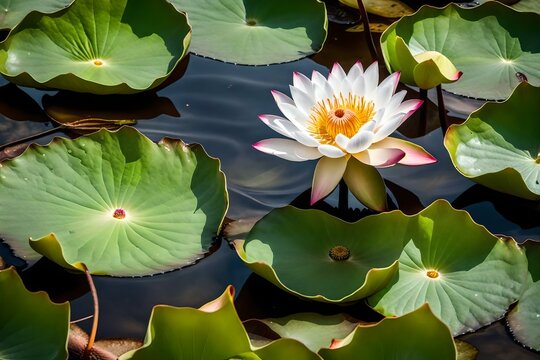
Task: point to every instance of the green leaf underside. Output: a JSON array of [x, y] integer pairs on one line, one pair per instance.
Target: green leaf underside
[[290, 247], [489, 44], [524, 320], [212, 332], [417, 335], [173, 195], [138, 42], [31, 326], [283, 30], [13, 11], [464, 254], [498, 144], [314, 330]]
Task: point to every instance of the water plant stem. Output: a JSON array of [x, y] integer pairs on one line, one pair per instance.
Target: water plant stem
[[423, 110], [343, 204], [442, 110], [367, 31], [93, 332]]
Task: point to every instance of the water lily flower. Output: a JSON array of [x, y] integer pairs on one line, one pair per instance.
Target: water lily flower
[[345, 121], [425, 69]]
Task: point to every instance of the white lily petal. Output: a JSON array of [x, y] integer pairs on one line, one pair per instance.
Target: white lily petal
[[331, 151], [287, 149], [388, 127], [306, 139], [302, 82], [359, 86], [338, 80], [279, 125], [371, 80], [385, 90], [297, 116], [323, 90], [328, 173], [360, 141], [342, 141], [408, 107], [393, 104], [380, 157], [378, 118], [355, 72], [303, 101]]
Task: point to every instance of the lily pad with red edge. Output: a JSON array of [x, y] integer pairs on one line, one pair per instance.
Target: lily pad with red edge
[[491, 44], [498, 146], [316, 256], [446, 264], [254, 32], [12, 12], [115, 201], [524, 319], [415, 335], [97, 46], [32, 327], [213, 331]]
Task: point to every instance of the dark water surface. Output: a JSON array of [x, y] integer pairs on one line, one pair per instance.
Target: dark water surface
[[219, 104]]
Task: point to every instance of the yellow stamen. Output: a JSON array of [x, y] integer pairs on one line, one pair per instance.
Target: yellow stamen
[[339, 115]]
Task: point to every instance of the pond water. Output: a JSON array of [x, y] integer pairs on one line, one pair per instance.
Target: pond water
[[218, 105]]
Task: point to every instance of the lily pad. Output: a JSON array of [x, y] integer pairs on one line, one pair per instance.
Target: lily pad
[[13, 11], [498, 146], [317, 256], [213, 331], [446, 264], [97, 46], [524, 319], [115, 201], [32, 326], [254, 32], [416, 335], [491, 44]]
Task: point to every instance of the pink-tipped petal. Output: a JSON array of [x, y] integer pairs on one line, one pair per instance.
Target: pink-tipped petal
[[408, 107], [302, 82], [288, 129], [371, 79], [331, 151], [328, 173], [302, 100], [380, 158], [457, 76], [414, 154], [287, 149], [355, 72], [366, 184], [338, 80]]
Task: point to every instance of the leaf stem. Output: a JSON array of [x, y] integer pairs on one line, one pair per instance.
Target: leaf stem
[[423, 110], [442, 110], [93, 333], [367, 31]]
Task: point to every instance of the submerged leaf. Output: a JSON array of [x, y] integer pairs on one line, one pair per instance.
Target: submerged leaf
[[386, 8]]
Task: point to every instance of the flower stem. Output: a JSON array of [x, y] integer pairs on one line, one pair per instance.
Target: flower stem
[[343, 203], [442, 110], [423, 110], [92, 336], [367, 31]]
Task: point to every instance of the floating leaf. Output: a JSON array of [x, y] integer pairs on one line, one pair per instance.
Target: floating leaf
[[97, 46], [255, 32], [446, 264], [524, 319], [340, 261], [212, 332], [32, 327], [13, 11], [114, 201], [416, 335], [498, 144], [491, 44], [386, 8], [374, 27]]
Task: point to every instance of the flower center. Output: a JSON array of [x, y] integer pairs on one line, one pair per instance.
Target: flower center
[[432, 274], [97, 62], [119, 214], [339, 115], [339, 253]]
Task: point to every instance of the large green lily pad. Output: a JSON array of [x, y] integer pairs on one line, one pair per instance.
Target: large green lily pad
[[254, 32], [97, 46], [31, 326], [491, 44], [468, 276], [212, 332], [290, 247], [115, 201], [13, 11], [416, 335], [499, 144], [524, 319]]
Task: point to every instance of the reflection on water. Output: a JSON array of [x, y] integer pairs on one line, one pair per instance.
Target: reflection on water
[[219, 104]]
